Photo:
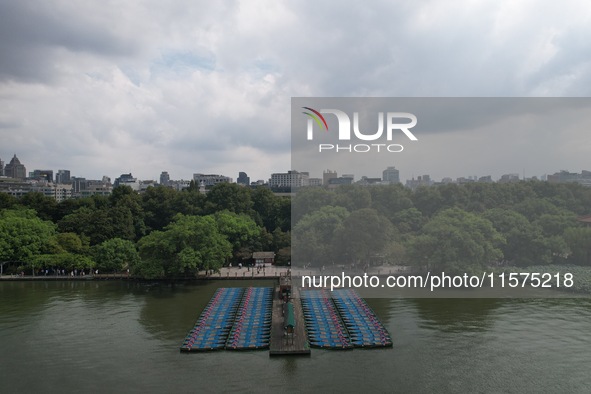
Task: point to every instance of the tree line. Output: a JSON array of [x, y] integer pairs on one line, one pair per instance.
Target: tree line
[[454, 228], [167, 233], [159, 233]]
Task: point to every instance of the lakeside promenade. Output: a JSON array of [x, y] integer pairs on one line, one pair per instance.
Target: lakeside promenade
[[269, 272]]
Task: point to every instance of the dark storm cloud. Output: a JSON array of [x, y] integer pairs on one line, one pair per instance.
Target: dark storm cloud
[[33, 36]]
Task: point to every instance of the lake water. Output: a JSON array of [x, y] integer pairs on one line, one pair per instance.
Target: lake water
[[117, 336]]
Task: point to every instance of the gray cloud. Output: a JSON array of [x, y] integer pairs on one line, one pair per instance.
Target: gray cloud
[[189, 86]]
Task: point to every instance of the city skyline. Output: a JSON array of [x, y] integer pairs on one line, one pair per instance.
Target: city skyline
[[378, 173]]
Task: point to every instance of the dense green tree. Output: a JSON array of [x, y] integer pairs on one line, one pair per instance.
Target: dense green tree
[[241, 231], [363, 237], [125, 207], [158, 204], [525, 243], [187, 245], [23, 236], [72, 243], [115, 255], [579, 243], [352, 197], [7, 201], [390, 200], [44, 206], [189, 202], [408, 220], [314, 235], [229, 196], [428, 200], [308, 200], [456, 241]]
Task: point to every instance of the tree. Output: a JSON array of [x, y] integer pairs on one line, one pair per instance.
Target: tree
[[187, 245], [579, 242], [158, 204], [363, 236], [72, 243], [23, 236], [456, 241], [127, 215], [240, 230], [229, 196], [115, 255], [308, 200], [44, 206], [352, 197], [7, 201], [525, 243], [313, 235]]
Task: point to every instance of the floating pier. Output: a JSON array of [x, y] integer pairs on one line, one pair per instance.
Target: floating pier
[[364, 327], [252, 324], [324, 325], [285, 322], [285, 340], [213, 327]]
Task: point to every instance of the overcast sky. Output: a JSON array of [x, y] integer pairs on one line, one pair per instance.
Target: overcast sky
[[105, 87]]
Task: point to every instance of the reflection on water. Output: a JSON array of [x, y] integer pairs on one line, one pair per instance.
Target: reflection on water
[[124, 337], [456, 314]]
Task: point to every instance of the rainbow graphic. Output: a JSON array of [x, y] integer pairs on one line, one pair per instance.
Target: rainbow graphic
[[317, 116]]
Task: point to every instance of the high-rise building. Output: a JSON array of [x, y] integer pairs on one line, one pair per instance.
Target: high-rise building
[[63, 177], [391, 175], [164, 178], [327, 176], [243, 179], [127, 180], [15, 169], [78, 184], [1, 168]]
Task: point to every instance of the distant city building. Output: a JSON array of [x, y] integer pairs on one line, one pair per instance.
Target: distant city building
[[289, 179], [144, 185], [391, 175], [15, 169], [243, 179], [315, 182], [210, 179], [179, 185], [1, 168], [63, 177], [164, 178], [327, 176], [78, 184], [462, 180], [45, 175], [485, 179], [584, 178], [343, 180], [424, 180], [367, 181], [127, 180], [509, 178]]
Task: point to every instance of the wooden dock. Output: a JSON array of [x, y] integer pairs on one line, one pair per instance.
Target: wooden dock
[[282, 345]]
